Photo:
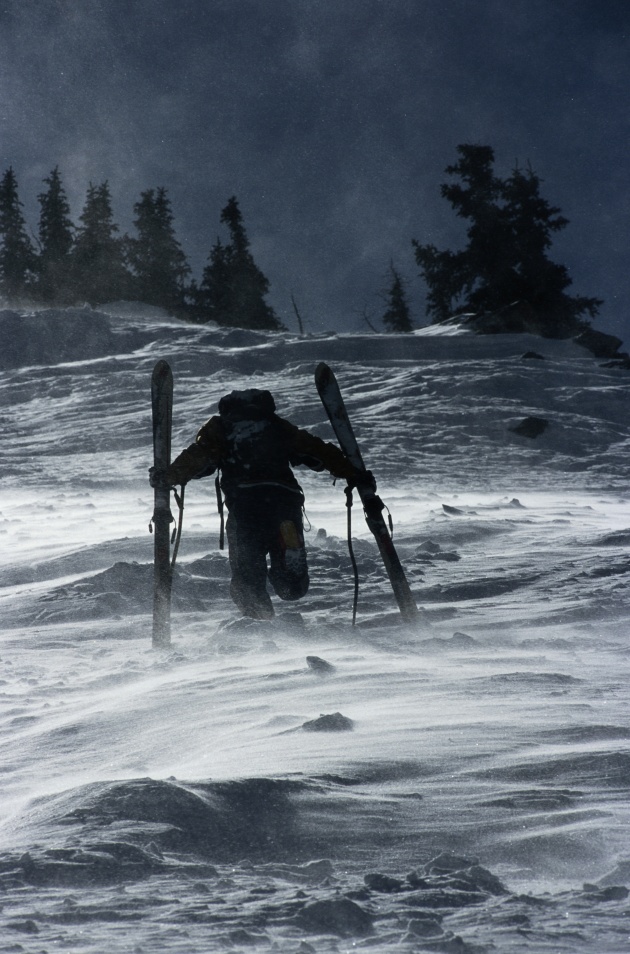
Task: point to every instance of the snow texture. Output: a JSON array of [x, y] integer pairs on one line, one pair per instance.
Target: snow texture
[[460, 785]]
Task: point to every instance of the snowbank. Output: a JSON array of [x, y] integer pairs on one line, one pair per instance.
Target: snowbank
[[181, 798], [53, 336], [57, 335]]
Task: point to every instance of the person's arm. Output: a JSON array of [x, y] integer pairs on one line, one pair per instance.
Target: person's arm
[[317, 454], [201, 458]]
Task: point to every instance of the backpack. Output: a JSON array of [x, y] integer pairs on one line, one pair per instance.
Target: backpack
[[244, 405], [247, 418], [257, 449]]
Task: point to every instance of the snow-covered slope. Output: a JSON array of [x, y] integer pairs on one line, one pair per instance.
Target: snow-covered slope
[[477, 796]]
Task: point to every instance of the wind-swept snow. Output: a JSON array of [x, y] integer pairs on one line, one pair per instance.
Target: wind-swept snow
[[460, 785]]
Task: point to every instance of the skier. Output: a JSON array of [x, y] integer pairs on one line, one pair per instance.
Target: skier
[[254, 449]]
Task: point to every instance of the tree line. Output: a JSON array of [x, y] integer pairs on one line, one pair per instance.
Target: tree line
[[505, 260], [93, 263]]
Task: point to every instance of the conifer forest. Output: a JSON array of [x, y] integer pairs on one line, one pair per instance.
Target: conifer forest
[[504, 262]]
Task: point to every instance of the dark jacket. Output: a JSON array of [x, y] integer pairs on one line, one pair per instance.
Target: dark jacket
[[255, 453]]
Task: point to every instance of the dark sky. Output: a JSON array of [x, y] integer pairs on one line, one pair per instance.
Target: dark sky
[[332, 122]]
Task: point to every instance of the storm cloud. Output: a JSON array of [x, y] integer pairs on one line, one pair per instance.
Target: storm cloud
[[331, 122]]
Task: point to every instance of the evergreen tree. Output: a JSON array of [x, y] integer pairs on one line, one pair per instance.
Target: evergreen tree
[[537, 280], [156, 257], [56, 238], [505, 260], [214, 298], [233, 288], [18, 261], [397, 317], [99, 271]]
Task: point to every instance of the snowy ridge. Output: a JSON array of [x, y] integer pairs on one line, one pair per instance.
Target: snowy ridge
[[475, 794]]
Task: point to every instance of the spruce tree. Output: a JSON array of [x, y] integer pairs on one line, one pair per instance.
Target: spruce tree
[[99, 272], [397, 317], [214, 297], [233, 288], [56, 238], [18, 261], [155, 256], [505, 261], [539, 281]]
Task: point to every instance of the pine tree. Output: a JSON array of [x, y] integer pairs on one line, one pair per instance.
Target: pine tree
[[155, 256], [233, 288], [214, 297], [397, 317], [99, 272], [18, 261], [505, 260], [56, 238], [539, 281]]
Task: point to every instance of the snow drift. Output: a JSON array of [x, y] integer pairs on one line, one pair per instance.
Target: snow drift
[[459, 785]]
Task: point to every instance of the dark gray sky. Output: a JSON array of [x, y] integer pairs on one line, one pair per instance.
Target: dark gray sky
[[332, 122]]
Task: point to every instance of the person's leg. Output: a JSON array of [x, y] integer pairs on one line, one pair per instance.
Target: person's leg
[[247, 552], [288, 572]]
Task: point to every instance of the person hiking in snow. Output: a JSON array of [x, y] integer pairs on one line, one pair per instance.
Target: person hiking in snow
[[254, 449]]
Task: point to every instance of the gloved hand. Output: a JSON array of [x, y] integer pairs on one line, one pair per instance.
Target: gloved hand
[[364, 479], [157, 478]]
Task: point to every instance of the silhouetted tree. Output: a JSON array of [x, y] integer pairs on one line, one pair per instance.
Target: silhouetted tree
[[56, 237], [214, 298], [397, 315], [18, 261], [98, 266], [538, 281], [505, 260], [155, 256], [233, 288]]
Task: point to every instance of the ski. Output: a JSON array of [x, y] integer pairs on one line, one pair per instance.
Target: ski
[[162, 406], [328, 390]]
